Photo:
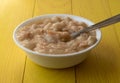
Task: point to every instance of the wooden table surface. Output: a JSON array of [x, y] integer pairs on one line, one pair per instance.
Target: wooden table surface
[[102, 65]]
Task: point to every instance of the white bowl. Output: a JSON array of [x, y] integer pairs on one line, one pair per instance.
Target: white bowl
[[58, 60]]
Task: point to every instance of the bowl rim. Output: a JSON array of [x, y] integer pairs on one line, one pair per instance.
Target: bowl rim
[[98, 31]]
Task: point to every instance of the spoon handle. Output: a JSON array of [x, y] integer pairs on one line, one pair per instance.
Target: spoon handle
[[101, 24], [106, 22]]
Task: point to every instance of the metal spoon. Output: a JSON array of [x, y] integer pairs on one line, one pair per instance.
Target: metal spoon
[[101, 24]]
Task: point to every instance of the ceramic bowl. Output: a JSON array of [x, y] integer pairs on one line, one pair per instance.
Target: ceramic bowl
[[57, 60]]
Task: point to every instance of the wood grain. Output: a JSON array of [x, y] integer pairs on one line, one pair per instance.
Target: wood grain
[[52, 7], [38, 74], [12, 59], [115, 9], [102, 66]]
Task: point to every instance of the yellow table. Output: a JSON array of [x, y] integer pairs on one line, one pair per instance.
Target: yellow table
[[103, 64]]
